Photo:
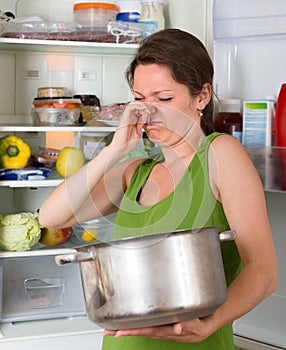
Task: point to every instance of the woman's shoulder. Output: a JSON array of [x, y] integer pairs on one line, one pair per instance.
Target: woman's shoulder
[[225, 145], [231, 158]]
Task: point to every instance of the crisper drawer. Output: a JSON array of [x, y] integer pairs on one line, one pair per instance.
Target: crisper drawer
[[44, 299]]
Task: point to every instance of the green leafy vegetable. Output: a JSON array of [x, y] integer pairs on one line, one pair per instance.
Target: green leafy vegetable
[[19, 232]]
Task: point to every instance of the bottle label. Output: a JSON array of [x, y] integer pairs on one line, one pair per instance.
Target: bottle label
[[128, 17]]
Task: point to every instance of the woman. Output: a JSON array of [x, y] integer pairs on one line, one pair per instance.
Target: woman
[[201, 179]]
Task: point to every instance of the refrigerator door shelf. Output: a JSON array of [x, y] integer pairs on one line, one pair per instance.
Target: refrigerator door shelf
[[243, 20]]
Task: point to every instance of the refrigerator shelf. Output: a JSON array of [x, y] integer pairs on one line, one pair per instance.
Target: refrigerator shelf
[[66, 46], [270, 163]]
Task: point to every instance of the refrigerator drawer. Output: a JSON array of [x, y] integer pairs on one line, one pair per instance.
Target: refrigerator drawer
[[16, 305]]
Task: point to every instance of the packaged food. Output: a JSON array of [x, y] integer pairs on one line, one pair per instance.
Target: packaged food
[[55, 116], [57, 102], [30, 173], [61, 32], [129, 11], [257, 123], [152, 11], [52, 92]]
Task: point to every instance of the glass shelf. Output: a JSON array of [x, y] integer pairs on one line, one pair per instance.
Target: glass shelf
[[23, 123], [66, 46], [270, 163], [33, 128]]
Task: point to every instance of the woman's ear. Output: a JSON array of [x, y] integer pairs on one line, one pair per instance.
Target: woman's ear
[[204, 96]]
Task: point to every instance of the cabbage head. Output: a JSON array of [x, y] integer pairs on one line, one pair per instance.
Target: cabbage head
[[19, 232]]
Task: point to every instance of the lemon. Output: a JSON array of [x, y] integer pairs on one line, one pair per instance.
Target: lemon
[[69, 161], [89, 235]]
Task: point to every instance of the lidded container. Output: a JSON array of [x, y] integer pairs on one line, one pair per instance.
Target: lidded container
[[152, 11], [129, 11], [55, 111], [95, 15], [229, 118], [52, 92]]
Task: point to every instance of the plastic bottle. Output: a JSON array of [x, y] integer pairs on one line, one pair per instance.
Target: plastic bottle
[[229, 118], [129, 11], [152, 11], [280, 118]]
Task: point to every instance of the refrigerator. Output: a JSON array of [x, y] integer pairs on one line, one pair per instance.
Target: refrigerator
[[249, 48], [247, 40]]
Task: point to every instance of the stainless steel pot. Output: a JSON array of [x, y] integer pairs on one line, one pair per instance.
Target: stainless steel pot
[[152, 280]]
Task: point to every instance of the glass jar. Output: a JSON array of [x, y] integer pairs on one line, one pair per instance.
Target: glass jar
[[90, 107], [229, 118]]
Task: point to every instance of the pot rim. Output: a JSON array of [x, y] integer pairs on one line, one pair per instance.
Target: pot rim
[[153, 237]]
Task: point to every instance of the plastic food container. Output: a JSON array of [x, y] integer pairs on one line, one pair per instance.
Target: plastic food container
[[95, 15], [55, 116], [52, 92], [57, 102], [44, 292]]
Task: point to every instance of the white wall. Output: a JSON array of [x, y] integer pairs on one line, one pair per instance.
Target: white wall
[[7, 5]]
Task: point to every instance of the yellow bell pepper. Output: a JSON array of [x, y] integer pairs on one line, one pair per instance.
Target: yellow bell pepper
[[14, 152]]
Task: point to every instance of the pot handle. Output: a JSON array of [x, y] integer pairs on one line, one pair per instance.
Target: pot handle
[[74, 258], [229, 235]]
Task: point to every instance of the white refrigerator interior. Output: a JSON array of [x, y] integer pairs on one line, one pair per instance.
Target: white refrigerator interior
[[249, 58]]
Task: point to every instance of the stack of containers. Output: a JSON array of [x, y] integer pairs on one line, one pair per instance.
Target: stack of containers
[[53, 106]]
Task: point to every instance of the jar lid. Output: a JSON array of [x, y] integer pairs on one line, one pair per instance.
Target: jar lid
[[94, 5], [57, 101], [88, 100]]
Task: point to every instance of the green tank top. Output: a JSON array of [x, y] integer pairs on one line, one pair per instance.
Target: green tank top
[[191, 205]]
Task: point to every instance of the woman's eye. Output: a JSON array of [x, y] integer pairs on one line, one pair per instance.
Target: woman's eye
[[166, 99]]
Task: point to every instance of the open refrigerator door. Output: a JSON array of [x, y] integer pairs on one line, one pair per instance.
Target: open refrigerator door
[[249, 58]]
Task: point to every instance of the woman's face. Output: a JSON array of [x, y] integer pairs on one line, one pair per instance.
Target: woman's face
[[154, 84]]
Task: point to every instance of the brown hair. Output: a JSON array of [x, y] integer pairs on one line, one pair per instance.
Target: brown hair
[[187, 59]]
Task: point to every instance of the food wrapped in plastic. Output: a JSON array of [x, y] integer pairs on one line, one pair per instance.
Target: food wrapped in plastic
[[29, 173], [62, 32], [130, 32], [112, 112]]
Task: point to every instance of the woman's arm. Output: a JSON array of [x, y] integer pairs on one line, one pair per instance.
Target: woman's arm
[[242, 196], [96, 189]]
